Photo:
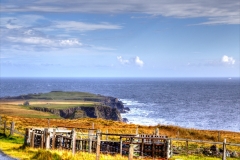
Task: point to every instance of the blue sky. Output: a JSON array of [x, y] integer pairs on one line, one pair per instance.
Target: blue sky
[[128, 38]]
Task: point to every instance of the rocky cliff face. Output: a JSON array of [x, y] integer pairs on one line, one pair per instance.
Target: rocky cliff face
[[110, 101], [115, 103], [99, 111]]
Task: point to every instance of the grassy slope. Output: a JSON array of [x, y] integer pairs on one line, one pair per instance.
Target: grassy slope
[[12, 147], [120, 127], [52, 100], [22, 111]]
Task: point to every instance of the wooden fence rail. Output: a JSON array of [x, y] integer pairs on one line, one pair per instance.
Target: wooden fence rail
[[211, 151], [11, 128]]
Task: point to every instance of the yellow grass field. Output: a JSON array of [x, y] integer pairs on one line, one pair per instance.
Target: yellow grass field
[[113, 127], [119, 127], [21, 111]]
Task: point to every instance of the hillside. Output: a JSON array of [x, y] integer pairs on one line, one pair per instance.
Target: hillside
[[60, 104]]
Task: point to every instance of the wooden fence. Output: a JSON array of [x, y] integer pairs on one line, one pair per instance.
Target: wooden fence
[[92, 141], [11, 128], [216, 149], [131, 145]]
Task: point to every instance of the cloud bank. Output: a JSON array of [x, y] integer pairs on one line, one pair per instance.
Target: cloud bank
[[31, 32], [216, 12]]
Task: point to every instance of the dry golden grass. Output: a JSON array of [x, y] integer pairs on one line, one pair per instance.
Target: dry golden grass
[[23, 112], [123, 128]]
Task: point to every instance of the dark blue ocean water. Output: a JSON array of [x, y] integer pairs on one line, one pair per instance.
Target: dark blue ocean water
[[203, 103]]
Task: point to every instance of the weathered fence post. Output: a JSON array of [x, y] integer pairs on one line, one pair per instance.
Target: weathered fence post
[[81, 144], [73, 141], [98, 145], [5, 127], [47, 138], [42, 141], [157, 132], [153, 148], [171, 148], [142, 147], [61, 142], [12, 128], [32, 139], [137, 130], [131, 149], [27, 137], [187, 147], [224, 149], [168, 148], [54, 139], [121, 146], [90, 136]]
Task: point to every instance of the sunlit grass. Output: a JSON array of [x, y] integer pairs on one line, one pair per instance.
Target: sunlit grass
[[62, 106], [21, 111], [119, 127], [13, 146], [191, 157]]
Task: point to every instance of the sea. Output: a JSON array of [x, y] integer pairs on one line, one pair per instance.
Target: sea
[[200, 103]]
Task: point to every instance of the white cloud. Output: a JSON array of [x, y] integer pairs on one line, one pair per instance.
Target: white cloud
[[45, 42], [217, 12], [138, 61], [81, 26], [33, 33], [70, 42], [122, 61], [228, 60]]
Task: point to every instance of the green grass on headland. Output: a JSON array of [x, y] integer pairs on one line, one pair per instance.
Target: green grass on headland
[[59, 95], [61, 106]]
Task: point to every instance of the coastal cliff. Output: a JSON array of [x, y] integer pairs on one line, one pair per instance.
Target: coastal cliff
[[91, 105], [104, 112], [112, 102]]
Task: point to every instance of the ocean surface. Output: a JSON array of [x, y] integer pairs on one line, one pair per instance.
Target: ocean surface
[[202, 103]]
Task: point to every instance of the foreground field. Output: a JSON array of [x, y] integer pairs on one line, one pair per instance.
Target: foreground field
[[120, 127], [13, 147]]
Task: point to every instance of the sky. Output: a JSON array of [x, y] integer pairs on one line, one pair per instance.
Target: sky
[[127, 38]]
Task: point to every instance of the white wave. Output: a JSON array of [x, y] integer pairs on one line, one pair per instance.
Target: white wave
[[128, 102]]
